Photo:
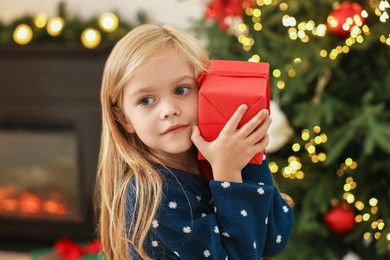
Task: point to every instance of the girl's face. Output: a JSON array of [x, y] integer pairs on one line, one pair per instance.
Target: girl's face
[[160, 104]]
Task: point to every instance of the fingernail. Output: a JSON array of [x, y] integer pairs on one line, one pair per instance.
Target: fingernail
[[244, 106]]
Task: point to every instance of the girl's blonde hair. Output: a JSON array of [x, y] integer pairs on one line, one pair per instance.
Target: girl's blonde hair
[[122, 155]]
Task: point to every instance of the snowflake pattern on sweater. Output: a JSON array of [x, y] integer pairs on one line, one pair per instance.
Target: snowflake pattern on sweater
[[201, 219]]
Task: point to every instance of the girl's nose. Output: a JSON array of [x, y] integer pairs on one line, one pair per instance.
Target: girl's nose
[[170, 108]]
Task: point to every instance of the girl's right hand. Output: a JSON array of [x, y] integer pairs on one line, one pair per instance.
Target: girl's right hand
[[234, 148]]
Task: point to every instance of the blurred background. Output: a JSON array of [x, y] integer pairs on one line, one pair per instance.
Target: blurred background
[[330, 136], [176, 12]]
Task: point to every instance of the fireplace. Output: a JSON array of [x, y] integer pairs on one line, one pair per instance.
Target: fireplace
[[34, 161], [49, 143]]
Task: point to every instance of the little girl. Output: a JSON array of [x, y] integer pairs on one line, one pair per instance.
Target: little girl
[[154, 201]]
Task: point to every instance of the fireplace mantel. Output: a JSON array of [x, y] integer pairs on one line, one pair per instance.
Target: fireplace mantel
[[54, 85]]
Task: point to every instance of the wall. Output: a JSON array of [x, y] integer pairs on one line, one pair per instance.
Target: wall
[[174, 12]]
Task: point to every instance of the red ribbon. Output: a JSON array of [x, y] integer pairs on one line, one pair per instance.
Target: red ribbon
[[70, 250]]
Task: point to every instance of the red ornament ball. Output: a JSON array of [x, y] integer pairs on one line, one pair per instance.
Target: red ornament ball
[[340, 219], [221, 10], [341, 20]]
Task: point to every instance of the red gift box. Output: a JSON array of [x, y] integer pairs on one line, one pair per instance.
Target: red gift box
[[223, 88]]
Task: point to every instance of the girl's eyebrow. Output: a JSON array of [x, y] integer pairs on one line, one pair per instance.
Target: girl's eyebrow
[[149, 88], [141, 90], [184, 77]]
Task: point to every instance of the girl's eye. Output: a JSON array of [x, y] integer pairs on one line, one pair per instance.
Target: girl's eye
[[146, 101], [182, 90]]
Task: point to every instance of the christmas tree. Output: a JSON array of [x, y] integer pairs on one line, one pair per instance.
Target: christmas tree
[[330, 64]]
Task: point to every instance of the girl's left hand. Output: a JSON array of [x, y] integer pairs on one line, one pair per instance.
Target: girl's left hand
[[234, 147]]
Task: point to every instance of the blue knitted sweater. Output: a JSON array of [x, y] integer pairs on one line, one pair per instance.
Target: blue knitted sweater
[[201, 219]]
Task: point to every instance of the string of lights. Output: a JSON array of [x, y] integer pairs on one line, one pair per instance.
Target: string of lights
[[89, 37]]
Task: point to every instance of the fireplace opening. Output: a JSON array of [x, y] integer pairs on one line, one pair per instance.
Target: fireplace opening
[[39, 172], [47, 176]]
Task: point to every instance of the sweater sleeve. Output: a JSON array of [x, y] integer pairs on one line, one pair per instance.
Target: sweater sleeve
[[279, 215]]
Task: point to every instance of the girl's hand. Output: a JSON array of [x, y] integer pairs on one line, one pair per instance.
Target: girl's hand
[[234, 148]]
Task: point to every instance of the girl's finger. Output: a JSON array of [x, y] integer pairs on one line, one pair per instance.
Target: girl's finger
[[255, 122], [261, 131], [232, 124], [197, 139], [261, 145]]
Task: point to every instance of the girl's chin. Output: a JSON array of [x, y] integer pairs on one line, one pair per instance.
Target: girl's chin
[[175, 154]]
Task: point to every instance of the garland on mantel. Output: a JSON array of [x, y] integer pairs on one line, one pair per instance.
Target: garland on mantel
[[90, 33]]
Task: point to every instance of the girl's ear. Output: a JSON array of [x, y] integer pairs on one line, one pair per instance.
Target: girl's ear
[[121, 119]]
